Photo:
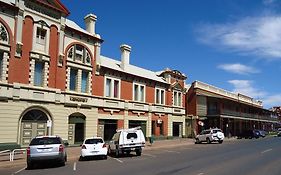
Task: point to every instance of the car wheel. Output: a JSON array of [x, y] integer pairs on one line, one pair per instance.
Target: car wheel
[[63, 162], [138, 152], [220, 141], [81, 158], [208, 140], [105, 157], [197, 141]]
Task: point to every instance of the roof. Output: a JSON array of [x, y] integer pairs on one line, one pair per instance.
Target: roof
[[73, 25], [131, 69]]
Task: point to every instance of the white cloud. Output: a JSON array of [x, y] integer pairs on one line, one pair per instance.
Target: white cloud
[[268, 2], [238, 68], [259, 36], [246, 87], [273, 100]]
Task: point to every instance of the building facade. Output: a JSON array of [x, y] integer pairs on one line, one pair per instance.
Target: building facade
[[209, 107], [54, 81]]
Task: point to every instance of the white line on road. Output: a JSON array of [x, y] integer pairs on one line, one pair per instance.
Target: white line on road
[[265, 151], [200, 174], [19, 171], [74, 166], [149, 155], [118, 160]]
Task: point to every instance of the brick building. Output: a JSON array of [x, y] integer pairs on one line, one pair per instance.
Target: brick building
[[54, 80]]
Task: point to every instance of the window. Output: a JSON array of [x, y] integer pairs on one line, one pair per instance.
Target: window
[[84, 82], [160, 96], [38, 73], [41, 36], [1, 65], [79, 53], [73, 79], [139, 93], [132, 136], [177, 97], [112, 88]]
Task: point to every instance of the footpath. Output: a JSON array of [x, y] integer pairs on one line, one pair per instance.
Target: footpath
[[73, 153]]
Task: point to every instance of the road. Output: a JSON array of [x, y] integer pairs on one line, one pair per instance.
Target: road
[[235, 157]]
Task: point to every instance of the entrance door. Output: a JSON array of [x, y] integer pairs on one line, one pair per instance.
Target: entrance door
[[177, 129], [33, 123], [76, 128], [107, 128]]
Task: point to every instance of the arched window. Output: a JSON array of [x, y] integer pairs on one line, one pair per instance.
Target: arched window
[[80, 54], [4, 37]]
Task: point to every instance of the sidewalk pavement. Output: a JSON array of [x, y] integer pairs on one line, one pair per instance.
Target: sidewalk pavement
[[73, 153]]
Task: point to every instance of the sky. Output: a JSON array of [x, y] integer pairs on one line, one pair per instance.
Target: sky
[[231, 44]]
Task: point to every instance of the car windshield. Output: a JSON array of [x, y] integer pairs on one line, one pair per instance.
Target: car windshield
[[93, 141], [217, 130], [45, 141]]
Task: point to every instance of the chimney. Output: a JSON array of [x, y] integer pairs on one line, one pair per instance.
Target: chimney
[[125, 56], [90, 21]]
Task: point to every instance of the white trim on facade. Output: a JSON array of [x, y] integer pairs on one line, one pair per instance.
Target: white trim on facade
[[160, 96], [111, 93], [141, 96]]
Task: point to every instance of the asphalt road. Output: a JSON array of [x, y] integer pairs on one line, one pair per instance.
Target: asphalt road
[[234, 157]]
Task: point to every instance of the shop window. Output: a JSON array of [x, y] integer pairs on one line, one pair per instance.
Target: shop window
[[139, 92], [39, 73]]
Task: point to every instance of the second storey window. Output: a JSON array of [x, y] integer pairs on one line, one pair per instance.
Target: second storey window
[[39, 73], [41, 36], [160, 96], [139, 92], [73, 79], [1, 65], [85, 82], [112, 88], [177, 98]]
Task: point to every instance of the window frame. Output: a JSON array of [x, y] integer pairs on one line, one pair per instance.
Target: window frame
[[176, 102], [112, 87], [42, 73], [139, 99], [160, 96], [76, 79]]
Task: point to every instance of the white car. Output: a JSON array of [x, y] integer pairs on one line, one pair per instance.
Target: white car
[[92, 147], [210, 135]]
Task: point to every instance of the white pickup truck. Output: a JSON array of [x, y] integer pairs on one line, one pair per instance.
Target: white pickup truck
[[127, 140]]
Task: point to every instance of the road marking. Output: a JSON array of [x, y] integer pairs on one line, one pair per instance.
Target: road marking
[[172, 151], [74, 166], [149, 155], [265, 151], [200, 173], [19, 170], [118, 160]]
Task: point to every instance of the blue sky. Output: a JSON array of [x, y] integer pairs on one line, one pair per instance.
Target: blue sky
[[231, 44]]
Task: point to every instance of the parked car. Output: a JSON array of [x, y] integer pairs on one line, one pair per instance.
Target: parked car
[[249, 134], [261, 133], [46, 148], [127, 140], [93, 147], [279, 134], [210, 135]]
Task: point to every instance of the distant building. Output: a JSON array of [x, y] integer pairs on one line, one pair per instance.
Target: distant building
[[209, 107]]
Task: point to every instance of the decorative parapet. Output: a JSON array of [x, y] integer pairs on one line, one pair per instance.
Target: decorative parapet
[[237, 97]]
